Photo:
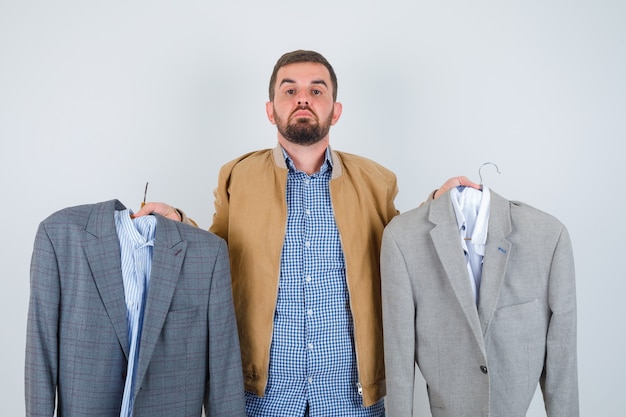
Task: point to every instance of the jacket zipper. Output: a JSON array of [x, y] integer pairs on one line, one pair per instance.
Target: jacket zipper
[[356, 349]]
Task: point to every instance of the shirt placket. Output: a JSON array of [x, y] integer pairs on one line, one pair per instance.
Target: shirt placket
[[308, 276]]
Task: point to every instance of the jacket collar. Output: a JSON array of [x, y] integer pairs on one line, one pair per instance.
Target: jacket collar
[[102, 251], [335, 160]]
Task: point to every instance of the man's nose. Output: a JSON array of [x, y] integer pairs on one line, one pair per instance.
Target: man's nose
[[303, 100]]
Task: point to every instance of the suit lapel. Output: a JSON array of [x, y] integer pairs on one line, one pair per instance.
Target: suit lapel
[[167, 259], [445, 237], [102, 250], [497, 252]]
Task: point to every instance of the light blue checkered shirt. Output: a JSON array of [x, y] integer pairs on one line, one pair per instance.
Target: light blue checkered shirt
[[312, 357], [136, 238]]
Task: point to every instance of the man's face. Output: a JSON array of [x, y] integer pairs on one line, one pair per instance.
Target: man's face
[[303, 109]]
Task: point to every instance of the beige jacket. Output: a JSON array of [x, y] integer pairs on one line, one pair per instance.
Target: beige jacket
[[251, 214]]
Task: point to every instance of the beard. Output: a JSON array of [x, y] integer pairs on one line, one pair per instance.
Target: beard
[[303, 131]]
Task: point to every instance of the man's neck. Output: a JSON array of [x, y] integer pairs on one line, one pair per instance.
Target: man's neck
[[308, 159]]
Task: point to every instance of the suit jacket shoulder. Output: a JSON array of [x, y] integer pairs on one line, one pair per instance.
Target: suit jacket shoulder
[[527, 213]]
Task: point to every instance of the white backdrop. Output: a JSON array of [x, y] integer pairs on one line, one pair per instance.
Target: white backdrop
[[96, 98]]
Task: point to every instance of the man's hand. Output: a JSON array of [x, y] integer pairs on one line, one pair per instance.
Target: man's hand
[[455, 182], [163, 209]]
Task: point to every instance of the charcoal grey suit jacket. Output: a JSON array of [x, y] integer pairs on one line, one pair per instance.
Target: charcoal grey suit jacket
[[77, 338], [483, 360]]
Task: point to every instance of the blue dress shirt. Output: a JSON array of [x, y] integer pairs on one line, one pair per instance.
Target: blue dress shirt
[[136, 238], [313, 367]]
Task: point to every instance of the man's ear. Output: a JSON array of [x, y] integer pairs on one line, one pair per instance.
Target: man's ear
[[269, 110], [337, 108]]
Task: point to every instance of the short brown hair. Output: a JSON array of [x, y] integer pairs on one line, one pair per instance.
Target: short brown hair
[[302, 56]]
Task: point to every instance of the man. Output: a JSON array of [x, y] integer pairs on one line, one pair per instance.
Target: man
[[130, 318], [304, 225]]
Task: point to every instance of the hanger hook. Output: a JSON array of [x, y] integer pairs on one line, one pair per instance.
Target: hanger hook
[[145, 193], [481, 167]]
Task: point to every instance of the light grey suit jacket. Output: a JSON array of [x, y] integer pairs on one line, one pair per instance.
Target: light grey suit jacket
[[77, 338], [485, 360]]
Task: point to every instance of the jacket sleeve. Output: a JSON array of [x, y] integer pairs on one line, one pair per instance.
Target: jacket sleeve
[[398, 329], [41, 368], [225, 393], [219, 225], [391, 208], [559, 381]]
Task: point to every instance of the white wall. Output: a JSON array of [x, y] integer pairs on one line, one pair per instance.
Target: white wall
[[96, 98]]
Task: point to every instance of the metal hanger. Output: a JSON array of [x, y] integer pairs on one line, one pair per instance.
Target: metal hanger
[[479, 172], [143, 203], [145, 193]]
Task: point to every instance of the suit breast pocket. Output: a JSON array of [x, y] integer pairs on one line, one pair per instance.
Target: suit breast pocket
[[519, 323], [181, 324], [184, 330], [517, 310]]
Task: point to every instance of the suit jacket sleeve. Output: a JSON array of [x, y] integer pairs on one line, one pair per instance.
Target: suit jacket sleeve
[[398, 328], [224, 394], [559, 381], [41, 368]]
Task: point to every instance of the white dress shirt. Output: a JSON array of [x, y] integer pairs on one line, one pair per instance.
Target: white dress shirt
[[471, 207]]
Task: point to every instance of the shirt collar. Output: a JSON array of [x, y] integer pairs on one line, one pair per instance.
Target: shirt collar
[[327, 165], [462, 195], [140, 230]]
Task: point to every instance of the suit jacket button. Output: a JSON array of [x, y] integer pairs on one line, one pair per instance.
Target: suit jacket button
[[483, 369]]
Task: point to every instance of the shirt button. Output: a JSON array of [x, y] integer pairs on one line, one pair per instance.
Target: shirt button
[[307, 244], [483, 369], [307, 212], [310, 380], [308, 278], [310, 346], [309, 312]]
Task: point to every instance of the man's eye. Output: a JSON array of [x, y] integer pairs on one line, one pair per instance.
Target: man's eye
[[290, 91], [317, 92]]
